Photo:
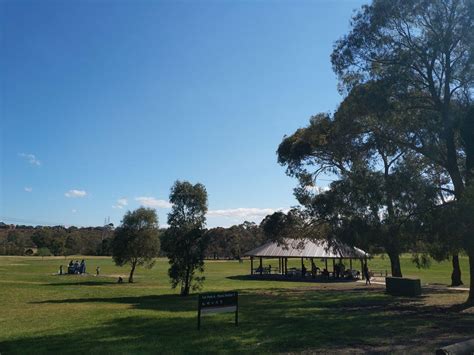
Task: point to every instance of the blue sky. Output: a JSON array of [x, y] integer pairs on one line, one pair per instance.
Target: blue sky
[[104, 104]]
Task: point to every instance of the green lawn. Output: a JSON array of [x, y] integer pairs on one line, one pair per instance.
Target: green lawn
[[41, 312]]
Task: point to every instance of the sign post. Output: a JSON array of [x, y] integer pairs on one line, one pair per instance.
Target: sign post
[[218, 303]]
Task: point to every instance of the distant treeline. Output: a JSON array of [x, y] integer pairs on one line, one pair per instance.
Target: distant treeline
[[27, 240], [224, 243]]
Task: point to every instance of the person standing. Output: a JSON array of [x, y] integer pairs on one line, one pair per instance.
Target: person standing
[[82, 267], [314, 269], [76, 267], [366, 274], [303, 271]]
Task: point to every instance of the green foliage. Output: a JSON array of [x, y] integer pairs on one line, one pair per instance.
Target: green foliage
[[416, 57], [233, 242], [293, 224], [52, 238], [381, 189], [185, 241], [421, 44], [465, 212], [421, 260], [136, 241], [60, 240], [14, 242], [43, 251]]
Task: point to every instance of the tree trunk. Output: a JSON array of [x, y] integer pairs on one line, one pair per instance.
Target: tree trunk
[[185, 290], [395, 264], [456, 274], [185, 287], [470, 299], [130, 278]]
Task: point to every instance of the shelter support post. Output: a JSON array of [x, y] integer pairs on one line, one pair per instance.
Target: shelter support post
[[326, 263], [333, 267], [251, 265], [261, 266], [362, 269], [350, 263]]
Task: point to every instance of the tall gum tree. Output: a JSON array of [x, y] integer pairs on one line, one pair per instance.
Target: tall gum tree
[[185, 241], [424, 50], [378, 189]]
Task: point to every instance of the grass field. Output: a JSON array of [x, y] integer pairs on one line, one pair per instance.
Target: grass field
[[41, 312]]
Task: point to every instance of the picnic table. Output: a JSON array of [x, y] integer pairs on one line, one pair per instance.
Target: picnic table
[[266, 270]]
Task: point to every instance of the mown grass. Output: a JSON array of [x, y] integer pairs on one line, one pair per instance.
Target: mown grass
[[41, 312]]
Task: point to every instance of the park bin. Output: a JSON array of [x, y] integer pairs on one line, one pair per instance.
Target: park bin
[[402, 286]]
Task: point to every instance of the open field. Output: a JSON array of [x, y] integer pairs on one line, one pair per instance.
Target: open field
[[41, 312]]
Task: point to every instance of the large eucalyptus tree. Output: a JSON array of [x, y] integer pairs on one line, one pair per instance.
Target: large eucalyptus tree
[[422, 54]]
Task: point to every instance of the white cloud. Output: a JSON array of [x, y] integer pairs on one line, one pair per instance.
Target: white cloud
[[75, 193], [30, 158], [243, 212], [73, 210], [153, 202], [121, 203], [228, 217], [28, 189]]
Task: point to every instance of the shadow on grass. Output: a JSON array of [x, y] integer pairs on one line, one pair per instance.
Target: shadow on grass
[[167, 303], [276, 320], [82, 283], [284, 278]]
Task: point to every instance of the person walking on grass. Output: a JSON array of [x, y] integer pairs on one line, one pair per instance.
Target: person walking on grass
[[366, 274]]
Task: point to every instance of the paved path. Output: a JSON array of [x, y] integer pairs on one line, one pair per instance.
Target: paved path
[[372, 282], [459, 288], [447, 288]]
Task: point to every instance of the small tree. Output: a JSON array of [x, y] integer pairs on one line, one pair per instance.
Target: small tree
[[185, 241], [43, 252], [136, 241]]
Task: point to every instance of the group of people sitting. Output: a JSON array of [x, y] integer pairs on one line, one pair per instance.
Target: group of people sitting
[[264, 270], [76, 268], [340, 272]]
